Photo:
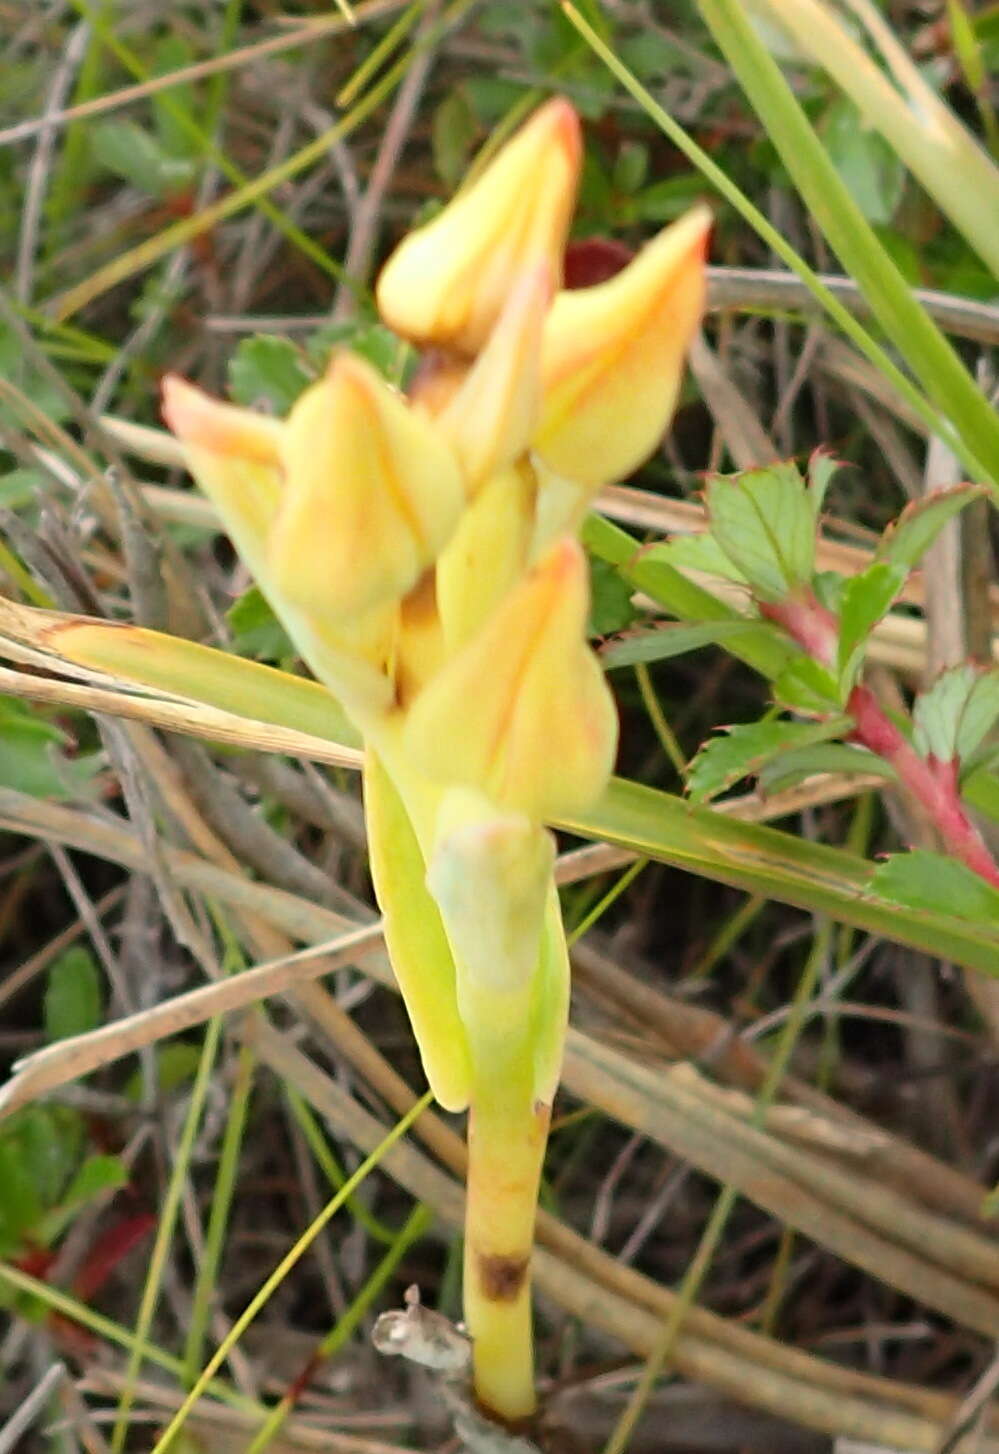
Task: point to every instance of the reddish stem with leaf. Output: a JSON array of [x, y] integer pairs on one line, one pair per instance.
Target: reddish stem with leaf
[[933, 783]]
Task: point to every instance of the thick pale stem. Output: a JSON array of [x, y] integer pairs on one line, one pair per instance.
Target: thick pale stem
[[506, 1146]]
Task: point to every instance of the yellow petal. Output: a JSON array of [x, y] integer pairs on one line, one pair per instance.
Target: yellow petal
[[491, 416], [523, 713], [234, 455], [371, 494], [486, 554], [446, 283], [613, 355]]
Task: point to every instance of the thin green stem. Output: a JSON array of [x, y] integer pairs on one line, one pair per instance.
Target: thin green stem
[[667, 737]]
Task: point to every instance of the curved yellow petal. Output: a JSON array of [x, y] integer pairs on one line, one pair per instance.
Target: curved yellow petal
[[371, 493], [613, 357], [523, 712], [446, 283], [486, 554]]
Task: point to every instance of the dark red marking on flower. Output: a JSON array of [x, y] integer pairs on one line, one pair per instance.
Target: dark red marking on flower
[[593, 260]]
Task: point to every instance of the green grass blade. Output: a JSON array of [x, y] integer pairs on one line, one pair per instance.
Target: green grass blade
[[778, 865], [941, 421], [904, 320]]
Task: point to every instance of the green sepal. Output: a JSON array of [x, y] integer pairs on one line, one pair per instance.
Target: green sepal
[[414, 935]]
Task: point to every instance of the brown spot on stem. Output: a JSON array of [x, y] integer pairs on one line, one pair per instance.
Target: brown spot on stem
[[501, 1277]]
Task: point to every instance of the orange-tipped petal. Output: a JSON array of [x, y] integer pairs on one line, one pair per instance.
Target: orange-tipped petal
[[446, 283], [613, 358], [523, 713], [234, 455], [490, 418], [371, 494]]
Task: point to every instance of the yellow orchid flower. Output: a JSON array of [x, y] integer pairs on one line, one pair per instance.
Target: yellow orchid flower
[[446, 284]]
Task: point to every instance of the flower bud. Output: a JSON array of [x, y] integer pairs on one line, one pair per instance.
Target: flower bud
[[446, 283], [371, 494], [522, 712], [612, 358]]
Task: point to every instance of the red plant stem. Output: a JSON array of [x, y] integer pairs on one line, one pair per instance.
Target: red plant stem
[[931, 782]]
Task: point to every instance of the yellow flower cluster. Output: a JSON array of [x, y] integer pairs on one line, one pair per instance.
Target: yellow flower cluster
[[421, 551]]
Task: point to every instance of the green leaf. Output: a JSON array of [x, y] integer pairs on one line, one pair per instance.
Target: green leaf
[[804, 762], [697, 552], [377, 344], [805, 686], [669, 198], [131, 152], [74, 1002], [865, 599], [610, 599], [932, 881], [268, 369], [97, 1175], [656, 643], [454, 130], [20, 1205], [256, 630], [870, 168], [631, 166], [172, 53], [743, 750], [20, 487], [981, 789], [822, 466], [763, 521], [49, 1141], [648, 570], [908, 538], [176, 1064], [33, 756], [955, 715]]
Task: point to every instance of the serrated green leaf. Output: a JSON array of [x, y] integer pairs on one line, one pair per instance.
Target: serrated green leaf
[[822, 466], [804, 762], [865, 599], [955, 715], [763, 521], [743, 750], [908, 538], [649, 570], [656, 643], [375, 343], [924, 880], [697, 552], [131, 152], [806, 686], [74, 1002], [268, 369], [256, 630]]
